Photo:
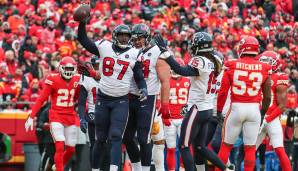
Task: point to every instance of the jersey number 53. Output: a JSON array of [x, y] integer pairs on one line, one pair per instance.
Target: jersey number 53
[[240, 86]]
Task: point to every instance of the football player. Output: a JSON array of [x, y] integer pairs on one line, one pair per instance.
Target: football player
[[88, 91], [271, 124], [179, 87], [141, 113], [247, 78], [203, 68], [119, 64], [62, 88]]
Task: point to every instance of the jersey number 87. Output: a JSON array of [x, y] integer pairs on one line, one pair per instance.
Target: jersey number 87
[[108, 67]]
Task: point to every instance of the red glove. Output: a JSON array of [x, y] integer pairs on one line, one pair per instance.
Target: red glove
[[166, 122], [165, 111]]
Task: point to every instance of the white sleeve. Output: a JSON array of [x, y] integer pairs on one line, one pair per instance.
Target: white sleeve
[[199, 64]]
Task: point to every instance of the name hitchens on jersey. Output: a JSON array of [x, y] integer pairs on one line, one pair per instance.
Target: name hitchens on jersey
[[252, 67]]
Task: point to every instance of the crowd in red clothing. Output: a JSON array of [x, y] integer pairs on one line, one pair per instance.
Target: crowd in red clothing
[[36, 34]]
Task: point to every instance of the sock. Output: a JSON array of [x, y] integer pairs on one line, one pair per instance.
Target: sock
[[113, 167], [181, 169], [224, 153], [136, 166], [158, 156], [145, 168], [200, 167], [283, 158], [95, 169], [68, 154], [187, 159], [58, 158], [171, 159], [249, 158]]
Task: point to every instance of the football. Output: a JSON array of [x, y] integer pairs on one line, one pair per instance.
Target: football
[[82, 13]]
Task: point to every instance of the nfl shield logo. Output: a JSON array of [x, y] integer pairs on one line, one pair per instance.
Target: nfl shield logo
[[149, 54]]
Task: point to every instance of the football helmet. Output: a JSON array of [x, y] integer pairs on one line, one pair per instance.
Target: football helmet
[[201, 42], [141, 30], [248, 45], [67, 67], [271, 58], [181, 62], [121, 29]]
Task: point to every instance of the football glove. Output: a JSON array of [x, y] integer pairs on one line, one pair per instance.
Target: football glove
[[29, 124], [143, 94], [184, 110], [161, 43], [83, 125], [263, 126], [165, 111]]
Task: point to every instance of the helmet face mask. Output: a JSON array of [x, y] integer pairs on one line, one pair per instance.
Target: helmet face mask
[[121, 36], [67, 67]]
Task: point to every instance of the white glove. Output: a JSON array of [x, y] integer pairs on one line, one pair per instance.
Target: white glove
[[29, 124], [165, 55], [263, 126]]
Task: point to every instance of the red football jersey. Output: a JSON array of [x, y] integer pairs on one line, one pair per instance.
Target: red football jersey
[[63, 94], [276, 79], [245, 77], [178, 95]]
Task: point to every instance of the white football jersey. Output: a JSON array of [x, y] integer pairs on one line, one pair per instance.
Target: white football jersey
[[149, 59], [202, 87], [115, 69], [91, 86]]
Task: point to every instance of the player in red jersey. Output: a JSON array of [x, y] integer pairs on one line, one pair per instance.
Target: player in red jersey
[[247, 78], [179, 87], [62, 89], [271, 124]]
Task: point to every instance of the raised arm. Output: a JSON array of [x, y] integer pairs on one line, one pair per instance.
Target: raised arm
[[85, 41], [181, 70]]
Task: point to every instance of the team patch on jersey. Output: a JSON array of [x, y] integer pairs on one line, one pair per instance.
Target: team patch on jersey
[[149, 54], [186, 84], [126, 56], [48, 82]]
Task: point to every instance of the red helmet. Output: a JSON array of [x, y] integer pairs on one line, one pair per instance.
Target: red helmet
[[67, 67], [248, 45], [181, 62], [271, 58]]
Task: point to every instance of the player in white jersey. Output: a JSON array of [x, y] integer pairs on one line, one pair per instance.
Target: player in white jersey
[[119, 64], [203, 69], [141, 117], [88, 89]]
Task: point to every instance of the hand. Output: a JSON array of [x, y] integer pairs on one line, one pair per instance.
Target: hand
[[165, 111], [143, 94], [220, 118], [46, 126], [166, 122], [85, 69], [83, 125], [161, 43], [29, 124], [91, 116], [263, 126], [184, 110]]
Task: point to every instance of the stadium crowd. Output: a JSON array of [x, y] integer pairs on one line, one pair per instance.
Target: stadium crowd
[[35, 35]]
